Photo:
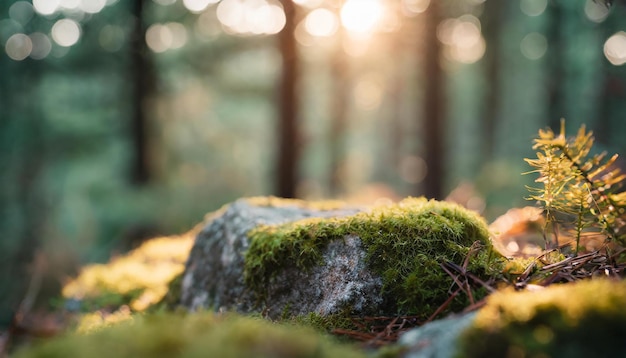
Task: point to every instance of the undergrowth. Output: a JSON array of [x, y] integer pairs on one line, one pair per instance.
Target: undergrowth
[[580, 192]]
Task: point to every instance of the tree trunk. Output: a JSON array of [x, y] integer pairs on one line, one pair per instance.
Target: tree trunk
[[143, 81], [433, 117], [556, 64], [492, 26], [288, 135], [339, 70]]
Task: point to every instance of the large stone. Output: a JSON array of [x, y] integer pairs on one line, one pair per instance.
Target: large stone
[[273, 257]]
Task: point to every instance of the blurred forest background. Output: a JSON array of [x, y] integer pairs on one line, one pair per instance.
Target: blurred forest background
[[125, 119]]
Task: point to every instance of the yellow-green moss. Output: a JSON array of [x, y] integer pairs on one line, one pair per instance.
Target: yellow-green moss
[[138, 279], [272, 201], [530, 267], [92, 321], [584, 319], [197, 335], [405, 244]]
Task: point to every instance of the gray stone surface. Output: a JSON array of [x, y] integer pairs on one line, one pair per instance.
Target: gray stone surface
[[437, 339], [213, 277]]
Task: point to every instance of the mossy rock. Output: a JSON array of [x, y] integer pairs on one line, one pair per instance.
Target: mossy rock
[[584, 319], [405, 244], [197, 335], [287, 258]]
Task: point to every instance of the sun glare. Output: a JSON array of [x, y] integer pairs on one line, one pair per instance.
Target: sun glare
[[361, 16]]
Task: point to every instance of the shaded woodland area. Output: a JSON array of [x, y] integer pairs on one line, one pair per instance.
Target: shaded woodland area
[[120, 120]]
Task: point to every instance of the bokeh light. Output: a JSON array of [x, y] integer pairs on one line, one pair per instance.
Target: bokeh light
[[414, 7], [66, 32], [412, 169], [361, 16], [163, 37], [74, 7], [46, 7], [158, 38], [18, 47], [198, 6], [22, 12], [595, 11], [368, 92], [304, 38], [256, 17], [615, 48], [179, 34], [321, 22], [534, 46], [41, 46], [462, 38], [533, 7]]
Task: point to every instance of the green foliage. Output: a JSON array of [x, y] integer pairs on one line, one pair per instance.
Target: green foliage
[[195, 335], [405, 245], [585, 319], [585, 187]]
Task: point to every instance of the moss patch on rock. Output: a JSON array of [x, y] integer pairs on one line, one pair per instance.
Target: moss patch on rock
[[405, 244], [584, 319], [197, 335]]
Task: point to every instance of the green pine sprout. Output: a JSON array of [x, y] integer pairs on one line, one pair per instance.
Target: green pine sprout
[[578, 190]]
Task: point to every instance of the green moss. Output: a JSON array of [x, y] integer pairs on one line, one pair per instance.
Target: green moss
[[197, 335], [325, 324], [405, 243], [584, 319]]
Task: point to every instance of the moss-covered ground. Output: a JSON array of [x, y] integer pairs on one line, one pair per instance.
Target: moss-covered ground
[[111, 292], [583, 319], [405, 244], [193, 335]]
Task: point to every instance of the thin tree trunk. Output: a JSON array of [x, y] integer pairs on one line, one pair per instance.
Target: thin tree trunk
[[555, 55], [288, 135], [433, 117], [492, 26], [143, 78], [339, 69]]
